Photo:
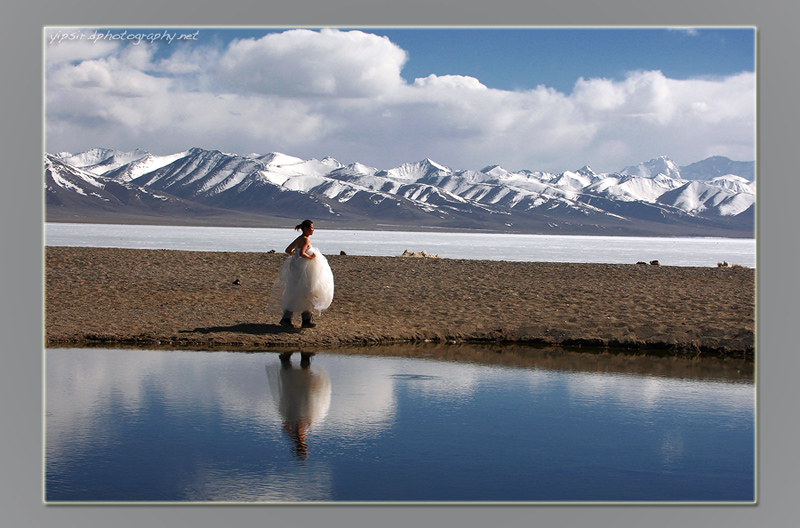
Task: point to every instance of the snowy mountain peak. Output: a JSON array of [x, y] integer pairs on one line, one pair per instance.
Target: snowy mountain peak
[[719, 166], [331, 163], [84, 159], [197, 151], [276, 159], [430, 163], [496, 171], [734, 183], [654, 167], [143, 165], [360, 168], [730, 177], [416, 171], [99, 160], [572, 180]]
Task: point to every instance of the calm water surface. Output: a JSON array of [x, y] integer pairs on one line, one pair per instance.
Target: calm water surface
[[183, 426]]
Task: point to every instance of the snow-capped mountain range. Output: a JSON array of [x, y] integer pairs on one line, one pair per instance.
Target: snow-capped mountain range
[[713, 197]]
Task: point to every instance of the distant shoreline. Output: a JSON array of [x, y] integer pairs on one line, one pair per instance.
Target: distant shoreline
[[218, 300], [252, 220]]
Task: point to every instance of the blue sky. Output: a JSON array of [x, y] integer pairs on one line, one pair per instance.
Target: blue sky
[[520, 58], [511, 59], [525, 98]]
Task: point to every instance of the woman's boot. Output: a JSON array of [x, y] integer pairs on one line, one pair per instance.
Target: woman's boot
[[307, 320]]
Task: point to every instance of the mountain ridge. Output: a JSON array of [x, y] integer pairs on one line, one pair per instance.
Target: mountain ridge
[[652, 198]]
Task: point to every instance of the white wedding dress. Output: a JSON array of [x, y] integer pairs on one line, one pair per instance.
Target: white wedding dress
[[307, 284]]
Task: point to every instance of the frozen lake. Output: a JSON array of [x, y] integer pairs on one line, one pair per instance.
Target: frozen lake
[[704, 252]]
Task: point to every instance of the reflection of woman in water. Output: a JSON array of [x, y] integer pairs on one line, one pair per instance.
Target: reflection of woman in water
[[303, 397], [307, 280]]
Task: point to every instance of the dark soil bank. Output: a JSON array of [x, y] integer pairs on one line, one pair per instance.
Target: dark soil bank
[[191, 299]]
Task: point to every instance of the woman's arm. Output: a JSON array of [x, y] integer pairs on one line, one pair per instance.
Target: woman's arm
[[296, 242]]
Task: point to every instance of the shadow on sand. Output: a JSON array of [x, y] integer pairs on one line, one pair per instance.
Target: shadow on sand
[[244, 328]]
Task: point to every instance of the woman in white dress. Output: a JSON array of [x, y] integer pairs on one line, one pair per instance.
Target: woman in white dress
[[307, 279], [302, 396]]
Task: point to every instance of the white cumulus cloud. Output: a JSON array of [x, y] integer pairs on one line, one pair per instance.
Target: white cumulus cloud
[[341, 94], [308, 63]]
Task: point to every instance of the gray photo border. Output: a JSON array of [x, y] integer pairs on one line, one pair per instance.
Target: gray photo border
[[22, 238]]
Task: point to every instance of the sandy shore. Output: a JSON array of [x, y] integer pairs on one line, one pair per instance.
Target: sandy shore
[[193, 300]]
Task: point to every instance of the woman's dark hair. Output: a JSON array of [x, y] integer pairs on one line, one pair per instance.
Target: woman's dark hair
[[305, 223]]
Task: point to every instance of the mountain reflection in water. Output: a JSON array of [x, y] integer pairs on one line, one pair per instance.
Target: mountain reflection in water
[[405, 423]]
